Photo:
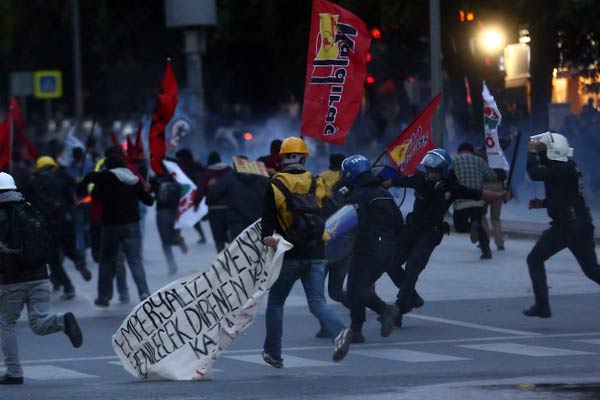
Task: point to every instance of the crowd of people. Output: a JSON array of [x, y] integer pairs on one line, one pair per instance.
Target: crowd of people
[[98, 203]]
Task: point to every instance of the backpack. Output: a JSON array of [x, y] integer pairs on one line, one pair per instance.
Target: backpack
[[168, 194], [307, 225], [29, 235]]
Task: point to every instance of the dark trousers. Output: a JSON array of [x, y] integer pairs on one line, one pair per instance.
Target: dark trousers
[[577, 236], [218, 226], [335, 282], [169, 236], [198, 228], [414, 248], [467, 216], [235, 228], [367, 266], [64, 244]]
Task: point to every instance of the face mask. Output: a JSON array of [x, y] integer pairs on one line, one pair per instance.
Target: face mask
[[433, 175]]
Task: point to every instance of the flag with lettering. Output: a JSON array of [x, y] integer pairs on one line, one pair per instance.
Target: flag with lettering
[[491, 121], [336, 70], [409, 148], [166, 102], [181, 330]]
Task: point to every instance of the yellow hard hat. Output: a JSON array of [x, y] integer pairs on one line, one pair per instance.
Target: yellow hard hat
[[45, 161], [293, 145]]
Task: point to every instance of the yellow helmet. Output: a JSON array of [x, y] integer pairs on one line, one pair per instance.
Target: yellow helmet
[[45, 161], [293, 145]]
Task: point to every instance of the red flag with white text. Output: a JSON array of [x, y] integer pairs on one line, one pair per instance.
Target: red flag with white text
[[336, 70], [162, 114], [409, 148]]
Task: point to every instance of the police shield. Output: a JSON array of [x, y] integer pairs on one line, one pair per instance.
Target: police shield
[[340, 233]]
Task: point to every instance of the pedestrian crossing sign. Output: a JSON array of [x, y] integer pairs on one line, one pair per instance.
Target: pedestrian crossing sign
[[47, 84]]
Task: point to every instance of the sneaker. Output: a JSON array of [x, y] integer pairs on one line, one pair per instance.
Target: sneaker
[[341, 344], [68, 294], [387, 319], [100, 303], [272, 361], [473, 234], [11, 380], [538, 311], [72, 330], [83, 270], [202, 240], [357, 337], [486, 255], [321, 334]]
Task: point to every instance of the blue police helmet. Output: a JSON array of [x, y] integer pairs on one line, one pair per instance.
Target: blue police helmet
[[438, 159], [353, 166]]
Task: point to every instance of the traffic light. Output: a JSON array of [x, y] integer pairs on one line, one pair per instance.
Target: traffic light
[[466, 16], [370, 79], [376, 33], [369, 57]]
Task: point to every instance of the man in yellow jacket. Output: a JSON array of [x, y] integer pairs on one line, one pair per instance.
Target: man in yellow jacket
[[293, 209]]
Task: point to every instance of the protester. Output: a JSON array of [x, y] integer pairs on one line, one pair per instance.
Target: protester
[[217, 207], [80, 166], [167, 192], [303, 227], [495, 209], [24, 279], [472, 171], [273, 160], [379, 223], [52, 194], [195, 171], [245, 198], [571, 227], [332, 175], [436, 188], [119, 190]]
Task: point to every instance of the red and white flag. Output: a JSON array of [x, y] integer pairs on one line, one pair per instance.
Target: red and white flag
[[409, 148], [163, 112], [336, 70]]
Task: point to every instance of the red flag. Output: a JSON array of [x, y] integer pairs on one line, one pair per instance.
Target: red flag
[[135, 151], [5, 143], [20, 127], [163, 112], [407, 151], [336, 69]]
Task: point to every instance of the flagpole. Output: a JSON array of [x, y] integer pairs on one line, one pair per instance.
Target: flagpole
[[379, 157], [10, 140]]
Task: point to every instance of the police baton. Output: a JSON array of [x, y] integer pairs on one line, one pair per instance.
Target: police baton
[[512, 164]]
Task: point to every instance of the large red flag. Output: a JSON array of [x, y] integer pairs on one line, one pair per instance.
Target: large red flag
[[5, 143], [20, 127], [409, 148], [336, 70], [163, 112]]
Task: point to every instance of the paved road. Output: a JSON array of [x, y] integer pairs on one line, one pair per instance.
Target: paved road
[[468, 342]]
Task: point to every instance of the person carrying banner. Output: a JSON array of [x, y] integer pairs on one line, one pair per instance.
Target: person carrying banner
[[379, 223], [293, 209], [472, 171], [436, 188], [24, 278], [572, 225]]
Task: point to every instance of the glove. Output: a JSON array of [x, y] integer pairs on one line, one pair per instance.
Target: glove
[[536, 203], [444, 228]]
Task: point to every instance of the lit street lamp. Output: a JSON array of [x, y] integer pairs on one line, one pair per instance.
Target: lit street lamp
[[491, 40]]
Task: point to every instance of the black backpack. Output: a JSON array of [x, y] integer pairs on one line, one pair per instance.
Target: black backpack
[[307, 225], [168, 194], [29, 236]]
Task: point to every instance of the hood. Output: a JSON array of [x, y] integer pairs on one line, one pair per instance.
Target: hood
[[12, 196], [218, 166], [125, 176]]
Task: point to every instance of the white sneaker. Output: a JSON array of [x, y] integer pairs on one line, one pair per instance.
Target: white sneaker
[[341, 344]]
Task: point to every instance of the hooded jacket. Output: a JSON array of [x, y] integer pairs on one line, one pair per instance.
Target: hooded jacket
[[10, 271], [119, 190]]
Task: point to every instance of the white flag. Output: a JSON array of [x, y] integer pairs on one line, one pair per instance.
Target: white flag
[[186, 216], [182, 329], [491, 121]]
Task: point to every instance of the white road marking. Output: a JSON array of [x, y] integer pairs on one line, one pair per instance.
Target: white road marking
[[49, 372], [525, 350], [288, 361], [589, 341], [410, 356], [471, 325]]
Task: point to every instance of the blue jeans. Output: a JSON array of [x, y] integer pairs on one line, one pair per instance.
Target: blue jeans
[[312, 275], [128, 237]]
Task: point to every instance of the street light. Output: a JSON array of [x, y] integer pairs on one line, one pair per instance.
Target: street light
[[491, 40]]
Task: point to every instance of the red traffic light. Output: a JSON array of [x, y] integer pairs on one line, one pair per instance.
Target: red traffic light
[[248, 136], [370, 79], [376, 33], [369, 57]]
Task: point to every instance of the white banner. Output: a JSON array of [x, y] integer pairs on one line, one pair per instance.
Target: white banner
[[181, 330], [186, 215], [491, 121]]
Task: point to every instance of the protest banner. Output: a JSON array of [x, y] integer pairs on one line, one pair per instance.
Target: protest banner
[[181, 330], [186, 215], [491, 121], [246, 166]]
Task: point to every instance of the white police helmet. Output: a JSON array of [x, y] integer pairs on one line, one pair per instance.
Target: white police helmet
[[557, 146], [7, 182]]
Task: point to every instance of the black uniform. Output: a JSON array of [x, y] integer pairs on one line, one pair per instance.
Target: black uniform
[[571, 225], [379, 222], [425, 227]]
